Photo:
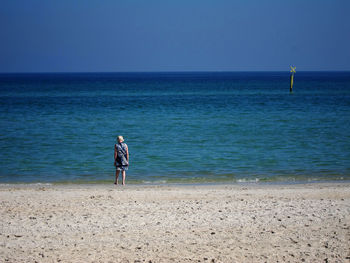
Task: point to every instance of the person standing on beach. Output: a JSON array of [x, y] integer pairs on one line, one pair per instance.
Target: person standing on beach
[[121, 159]]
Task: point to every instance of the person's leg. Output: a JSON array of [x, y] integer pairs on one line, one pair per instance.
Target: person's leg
[[116, 176], [123, 174]]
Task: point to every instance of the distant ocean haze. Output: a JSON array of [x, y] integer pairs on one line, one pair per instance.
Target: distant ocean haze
[[180, 127]]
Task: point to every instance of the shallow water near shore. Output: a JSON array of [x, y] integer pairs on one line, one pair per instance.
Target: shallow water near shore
[[180, 127]]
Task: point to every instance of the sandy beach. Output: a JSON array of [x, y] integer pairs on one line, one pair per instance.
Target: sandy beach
[[176, 223]]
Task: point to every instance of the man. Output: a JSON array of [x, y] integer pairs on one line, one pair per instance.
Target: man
[[121, 159]]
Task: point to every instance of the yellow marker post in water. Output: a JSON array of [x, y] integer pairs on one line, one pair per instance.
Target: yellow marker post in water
[[292, 71]]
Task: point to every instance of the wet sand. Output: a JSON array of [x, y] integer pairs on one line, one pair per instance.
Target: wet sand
[[176, 223]]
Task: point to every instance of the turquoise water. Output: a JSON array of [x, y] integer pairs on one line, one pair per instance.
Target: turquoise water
[[180, 127]]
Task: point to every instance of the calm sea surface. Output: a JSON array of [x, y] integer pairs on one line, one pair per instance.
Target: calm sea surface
[[180, 127]]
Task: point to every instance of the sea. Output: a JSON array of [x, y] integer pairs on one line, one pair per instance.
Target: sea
[[180, 127]]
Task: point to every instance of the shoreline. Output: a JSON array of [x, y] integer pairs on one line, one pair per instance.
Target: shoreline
[[177, 184], [176, 223]]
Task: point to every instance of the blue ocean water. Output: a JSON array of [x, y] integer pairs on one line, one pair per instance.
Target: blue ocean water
[[180, 127]]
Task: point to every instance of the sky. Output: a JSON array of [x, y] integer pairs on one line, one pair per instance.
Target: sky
[[173, 35]]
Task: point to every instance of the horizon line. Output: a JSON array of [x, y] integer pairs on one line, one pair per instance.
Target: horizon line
[[204, 71]]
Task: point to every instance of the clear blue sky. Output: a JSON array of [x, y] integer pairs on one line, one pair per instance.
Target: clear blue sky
[[173, 35]]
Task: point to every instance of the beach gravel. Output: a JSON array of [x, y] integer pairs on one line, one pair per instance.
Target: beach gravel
[[175, 223]]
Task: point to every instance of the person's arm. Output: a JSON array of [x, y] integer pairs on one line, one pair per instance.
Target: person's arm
[[115, 154], [127, 154]]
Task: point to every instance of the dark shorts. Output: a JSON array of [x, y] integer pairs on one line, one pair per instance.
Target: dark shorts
[[122, 168]]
